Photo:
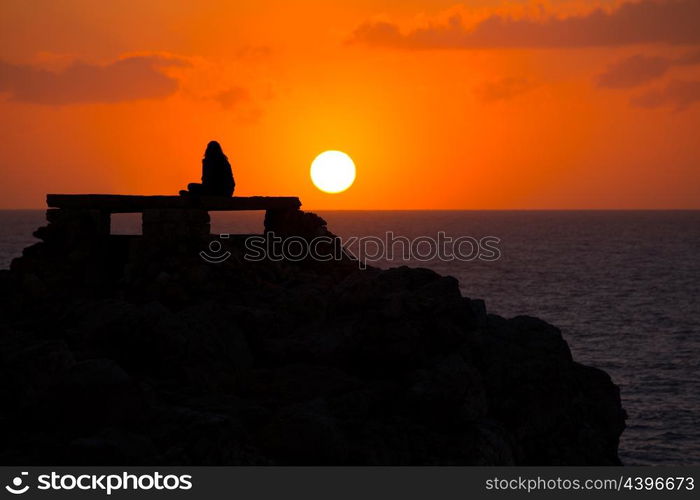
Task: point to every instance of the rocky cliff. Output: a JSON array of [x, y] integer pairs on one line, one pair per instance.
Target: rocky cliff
[[122, 351]]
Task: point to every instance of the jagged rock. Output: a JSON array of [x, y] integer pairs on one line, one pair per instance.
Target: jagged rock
[[148, 355], [305, 433], [92, 394], [110, 446]]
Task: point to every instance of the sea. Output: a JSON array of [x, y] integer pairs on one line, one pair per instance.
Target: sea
[[623, 286]]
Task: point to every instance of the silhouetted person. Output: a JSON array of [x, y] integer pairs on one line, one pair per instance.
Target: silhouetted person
[[217, 178]]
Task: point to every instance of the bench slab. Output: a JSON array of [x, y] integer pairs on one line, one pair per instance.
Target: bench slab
[[119, 203]]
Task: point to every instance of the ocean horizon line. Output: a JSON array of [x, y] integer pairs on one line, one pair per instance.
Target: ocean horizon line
[[306, 209]]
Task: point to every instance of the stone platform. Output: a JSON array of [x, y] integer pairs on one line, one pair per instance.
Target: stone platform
[[167, 216], [120, 203]]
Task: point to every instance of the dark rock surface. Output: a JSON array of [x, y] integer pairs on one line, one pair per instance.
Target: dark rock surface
[[124, 352]]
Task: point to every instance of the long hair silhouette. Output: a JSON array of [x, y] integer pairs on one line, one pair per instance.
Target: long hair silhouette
[[217, 177], [214, 151]]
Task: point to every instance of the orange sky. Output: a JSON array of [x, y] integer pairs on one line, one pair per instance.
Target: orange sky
[[484, 104]]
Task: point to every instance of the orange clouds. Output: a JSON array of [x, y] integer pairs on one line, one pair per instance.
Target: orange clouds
[[678, 94], [277, 84], [503, 89], [633, 71], [647, 21], [123, 80], [640, 69]]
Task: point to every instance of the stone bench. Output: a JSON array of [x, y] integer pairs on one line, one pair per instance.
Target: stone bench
[[162, 216]]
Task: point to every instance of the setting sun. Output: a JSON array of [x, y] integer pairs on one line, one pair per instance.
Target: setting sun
[[350, 233], [333, 171]]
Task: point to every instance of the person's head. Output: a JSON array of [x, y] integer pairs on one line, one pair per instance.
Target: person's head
[[214, 150]]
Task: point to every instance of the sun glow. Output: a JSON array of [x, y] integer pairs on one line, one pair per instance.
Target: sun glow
[[333, 171]]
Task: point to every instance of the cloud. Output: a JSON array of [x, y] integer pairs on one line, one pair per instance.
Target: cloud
[[239, 102], [232, 97], [633, 71], [646, 21], [677, 94], [127, 79], [503, 89], [691, 58], [640, 69]]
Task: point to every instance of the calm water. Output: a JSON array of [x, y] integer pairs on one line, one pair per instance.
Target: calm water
[[622, 286]]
